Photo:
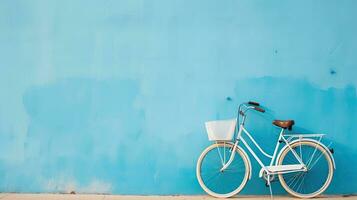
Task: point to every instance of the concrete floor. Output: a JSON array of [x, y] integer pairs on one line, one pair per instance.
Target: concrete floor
[[14, 196]]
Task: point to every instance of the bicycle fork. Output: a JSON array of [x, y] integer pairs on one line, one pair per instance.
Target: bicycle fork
[[231, 157]]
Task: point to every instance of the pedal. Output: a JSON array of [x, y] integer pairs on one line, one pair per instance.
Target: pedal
[[272, 181]]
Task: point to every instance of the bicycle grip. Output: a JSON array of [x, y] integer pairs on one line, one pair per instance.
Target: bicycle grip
[[259, 109], [253, 103]]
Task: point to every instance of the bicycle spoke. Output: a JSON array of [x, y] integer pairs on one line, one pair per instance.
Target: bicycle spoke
[[212, 177], [297, 180], [210, 172], [302, 181], [309, 156], [234, 170], [292, 179], [318, 158], [313, 154]]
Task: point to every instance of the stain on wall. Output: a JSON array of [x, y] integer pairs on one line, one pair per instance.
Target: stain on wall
[[111, 97]]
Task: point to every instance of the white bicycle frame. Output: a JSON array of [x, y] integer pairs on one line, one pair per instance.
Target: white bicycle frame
[[273, 168]]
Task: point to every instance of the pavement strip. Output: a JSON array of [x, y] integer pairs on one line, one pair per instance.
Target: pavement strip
[[17, 196]]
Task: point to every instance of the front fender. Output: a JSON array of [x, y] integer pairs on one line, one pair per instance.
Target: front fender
[[309, 140]]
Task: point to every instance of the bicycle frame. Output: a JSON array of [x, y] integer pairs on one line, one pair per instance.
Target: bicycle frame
[[271, 168]]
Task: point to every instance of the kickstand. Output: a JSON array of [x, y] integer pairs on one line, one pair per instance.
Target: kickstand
[[271, 191]]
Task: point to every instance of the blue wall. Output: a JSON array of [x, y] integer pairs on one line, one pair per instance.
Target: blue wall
[[112, 96]]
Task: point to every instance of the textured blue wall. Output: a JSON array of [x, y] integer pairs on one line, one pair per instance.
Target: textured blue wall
[[112, 96]]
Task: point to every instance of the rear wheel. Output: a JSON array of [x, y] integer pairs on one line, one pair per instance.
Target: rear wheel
[[314, 181], [217, 183]]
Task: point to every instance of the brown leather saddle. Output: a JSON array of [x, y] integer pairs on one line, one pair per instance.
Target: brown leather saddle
[[285, 124]]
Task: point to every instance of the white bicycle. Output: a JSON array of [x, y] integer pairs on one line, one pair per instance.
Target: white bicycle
[[303, 165]]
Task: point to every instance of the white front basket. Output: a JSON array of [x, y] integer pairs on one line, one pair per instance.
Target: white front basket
[[221, 130]]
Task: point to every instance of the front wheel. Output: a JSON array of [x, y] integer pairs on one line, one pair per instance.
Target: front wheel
[[226, 183], [319, 173]]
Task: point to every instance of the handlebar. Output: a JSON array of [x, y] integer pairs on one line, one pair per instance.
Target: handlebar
[[259, 109], [251, 105], [244, 107]]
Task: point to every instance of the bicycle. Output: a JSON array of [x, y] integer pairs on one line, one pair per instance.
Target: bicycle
[[224, 167]]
